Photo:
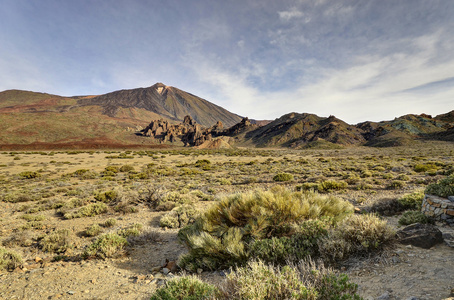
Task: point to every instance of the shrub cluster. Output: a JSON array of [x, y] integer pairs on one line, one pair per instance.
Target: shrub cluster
[[443, 188], [257, 280], [277, 226], [9, 260]]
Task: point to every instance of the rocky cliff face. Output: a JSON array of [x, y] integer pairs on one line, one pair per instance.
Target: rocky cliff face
[[188, 132]]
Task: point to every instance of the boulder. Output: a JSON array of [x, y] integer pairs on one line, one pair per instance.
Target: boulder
[[420, 235]]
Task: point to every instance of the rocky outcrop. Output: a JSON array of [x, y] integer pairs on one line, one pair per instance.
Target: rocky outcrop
[[190, 133]]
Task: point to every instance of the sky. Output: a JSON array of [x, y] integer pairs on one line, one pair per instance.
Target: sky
[[359, 60]]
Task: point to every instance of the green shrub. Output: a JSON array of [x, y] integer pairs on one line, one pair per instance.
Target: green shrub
[[331, 185], [90, 210], [185, 288], [443, 188], [110, 222], [178, 217], [107, 245], [57, 241], [283, 177], [127, 168], [301, 244], [220, 236], [412, 201], [355, 235], [93, 230], [133, 230], [9, 260], [414, 216], [425, 168], [396, 184], [108, 196], [303, 281], [29, 174]]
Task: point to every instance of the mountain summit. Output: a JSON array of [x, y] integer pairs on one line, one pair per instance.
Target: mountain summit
[[166, 101]]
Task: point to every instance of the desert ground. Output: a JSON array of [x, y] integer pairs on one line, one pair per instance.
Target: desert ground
[[55, 206]]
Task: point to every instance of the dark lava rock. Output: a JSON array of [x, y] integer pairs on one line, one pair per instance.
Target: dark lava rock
[[420, 235]]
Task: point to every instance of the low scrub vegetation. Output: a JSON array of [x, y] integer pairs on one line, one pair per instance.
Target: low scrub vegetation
[[443, 188], [9, 260], [277, 226], [257, 280]]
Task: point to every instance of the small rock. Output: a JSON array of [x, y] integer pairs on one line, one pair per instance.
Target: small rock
[[93, 281], [38, 259], [221, 273], [57, 296], [71, 292], [172, 266], [384, 296], [412, 298], [451, 198], [155, 269], [165, 271], [395, 260], [87, 291], [199, 271]]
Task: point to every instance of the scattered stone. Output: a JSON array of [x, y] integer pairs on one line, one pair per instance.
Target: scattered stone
[[384, 296], [155, 269], [165, 271], [172, 266], [38, 259], [420, 235], [199, 271], [451, 198], [70, 292]]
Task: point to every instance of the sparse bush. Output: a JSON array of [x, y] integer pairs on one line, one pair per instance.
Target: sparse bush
[[29, 174], [443, 188], [127, 168], [107, 245], [412, 201], [93, 230], [396, 184], [178, 217], [186, 287], [331, 185], [9, 260], [21, 238], [355, 235], [283, 177], [133, 230], [58, 241], [108, 196], [90, 210], [303, 281], [110, 222], [386, 207], [414, 216], [425, 167]]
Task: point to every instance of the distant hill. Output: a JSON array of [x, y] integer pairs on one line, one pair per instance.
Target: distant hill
[[168, 102], [43, 120], [31, 120], [297, 130]]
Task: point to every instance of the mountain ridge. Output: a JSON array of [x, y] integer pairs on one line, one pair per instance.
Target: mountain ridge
[[115, 119]]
